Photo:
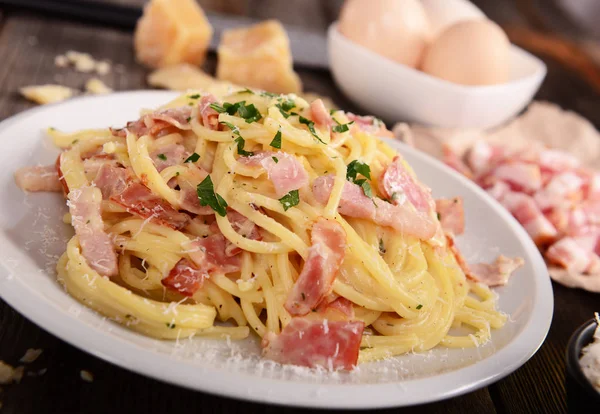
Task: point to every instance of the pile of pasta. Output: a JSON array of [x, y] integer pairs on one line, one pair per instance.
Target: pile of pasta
[[260, 213]]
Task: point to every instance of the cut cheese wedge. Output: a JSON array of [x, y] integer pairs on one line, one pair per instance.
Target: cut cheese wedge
[[171, 32], [258, 56]]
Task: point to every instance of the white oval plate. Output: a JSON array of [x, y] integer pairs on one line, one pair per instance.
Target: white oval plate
[[33, 236]]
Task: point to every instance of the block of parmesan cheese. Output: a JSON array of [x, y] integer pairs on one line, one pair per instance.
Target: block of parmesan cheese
[[171, 32], [46, 94], [258, 56]]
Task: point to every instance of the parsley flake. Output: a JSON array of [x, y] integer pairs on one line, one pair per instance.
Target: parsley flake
[[250, 91], [311, 126], [208, 197], [364, 184], [75, 141], [248, 112], [276, 143], [341, 127], [195, 96], [189, 118], [303, 295], [162, 157], [381, 247], [268, 94], [290, 200], [240, 147], [439, 216], [275, 159], [356, 167], [192, 158], [419, 307], [170, 325]]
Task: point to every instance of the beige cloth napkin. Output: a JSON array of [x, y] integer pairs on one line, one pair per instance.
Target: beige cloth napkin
[[542, 122]]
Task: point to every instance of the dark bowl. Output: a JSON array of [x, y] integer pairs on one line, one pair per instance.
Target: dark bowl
[[580, 338]]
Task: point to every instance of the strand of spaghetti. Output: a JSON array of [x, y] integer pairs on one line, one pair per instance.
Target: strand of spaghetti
[[382, 352], [269, 294], [253, 320], [145, 170], [134, 277], [226, 306], [338, 186], [72, 169], [233, 289], [225, 332], [68, 139]]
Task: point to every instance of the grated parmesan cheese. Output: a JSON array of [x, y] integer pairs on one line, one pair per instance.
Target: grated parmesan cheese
[[46, 94], [97, 87], [82, 62], [31, 355], [86, 375]]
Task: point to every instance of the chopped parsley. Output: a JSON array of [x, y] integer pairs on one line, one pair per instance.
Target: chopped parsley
[[177, 174], [381, 247], [439, 216], [188, 119], [356, 167], [341, 127], [310, 124], [75, 141], [290, 200], [276, 143], [208, 197], [285, 106], [268, 94], [171, 325], [248, 112], [192, 158], [364, 184], [162, 157], [250, 91], [275, 159], [419, 307], [195, 96], [240, 147]]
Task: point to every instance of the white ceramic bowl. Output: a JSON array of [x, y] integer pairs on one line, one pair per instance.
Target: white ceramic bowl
[[396, 92]]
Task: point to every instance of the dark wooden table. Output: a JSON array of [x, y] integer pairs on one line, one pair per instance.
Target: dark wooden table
[[28, 44]]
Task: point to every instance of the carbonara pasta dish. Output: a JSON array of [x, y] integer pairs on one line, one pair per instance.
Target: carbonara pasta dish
[[260, 214]]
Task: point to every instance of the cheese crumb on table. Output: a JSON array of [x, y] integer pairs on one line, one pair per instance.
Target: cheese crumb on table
[[258, 56], [45, 94], [184, 77], [31, 355], [9, 374], [97, 87], [82, 62], [171, 32], [86, 375]]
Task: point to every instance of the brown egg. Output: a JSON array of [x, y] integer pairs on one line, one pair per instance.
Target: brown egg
[[396, 29], [470, 53]]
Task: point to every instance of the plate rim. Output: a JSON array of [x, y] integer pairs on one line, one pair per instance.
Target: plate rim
[[305, 394]]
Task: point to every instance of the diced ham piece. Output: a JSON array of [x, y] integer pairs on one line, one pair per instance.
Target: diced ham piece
[[210, 117], [563, 189], [557, 161], [286, 174], [497, 273], [188, 196], [319, 114], [334, 303], [185, 278], [244, 227], [453, 160], [571, 255], [354, 203], [168, 156], [139, 200], [38, 178], [92, 164], [398, 185], [451, 214], [591, 184], [482, 156], [521, 176], [312, 343], [498, 190], [112, 180], [210, 254], [370, 125], [526, 211], [157, 122], [326, 254], [96, 245]]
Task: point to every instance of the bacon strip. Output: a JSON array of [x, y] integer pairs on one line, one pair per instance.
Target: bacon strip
[[210, 117], [244, 227], [324, 259], [312, 343], [210, 254], [188, 196], [185, 278], [157, 122], [96, 245], [451, 214], [319, 114], [399, 186], [286, 174], [38, 178], [139, 200], [354, 203], [173, 154], [112, 180]]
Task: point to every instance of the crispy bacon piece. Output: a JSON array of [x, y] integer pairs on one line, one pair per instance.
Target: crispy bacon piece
[[112, 180], [210, 117], [96, 245], [185, 278], [188, 196], [451, 214], [286, 174], [354, 203], [139, 200], [210, 254], [309, 342], [38, 178], [399, 186], [324, 259], [157, 122], [242, 226]]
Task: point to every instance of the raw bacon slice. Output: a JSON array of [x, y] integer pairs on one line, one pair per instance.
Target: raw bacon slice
[[286, 174], [112, 180], [526, 211], [484, 156], [38, 178], [451, 214], [569, 254], [452, 159], [519, 175], [312, 343], [96, 245], [563, 189], [185, 278], [398, 185], [210, 255], [324, 259], [497, 273], [370, 125], [157, 122], [188, 196], [139, 200], [173, 154], [354, 203]]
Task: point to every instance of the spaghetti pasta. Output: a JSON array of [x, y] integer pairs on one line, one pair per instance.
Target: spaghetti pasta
[[227, 214]]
